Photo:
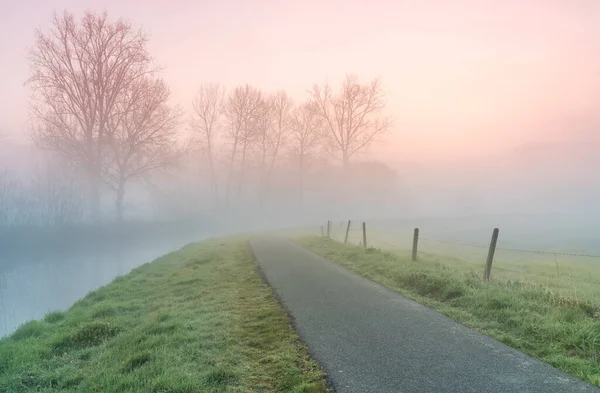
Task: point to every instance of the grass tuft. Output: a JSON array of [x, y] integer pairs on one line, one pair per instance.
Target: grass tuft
[[103, 311], [54, 316], [161, 329], [28, 330], [88, 335], [137, 360], [220, 377], [308, 388]]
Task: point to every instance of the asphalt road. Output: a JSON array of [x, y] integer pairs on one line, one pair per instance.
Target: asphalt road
[[371, 339]]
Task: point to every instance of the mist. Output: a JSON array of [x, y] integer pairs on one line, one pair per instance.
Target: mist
[[232, 118]]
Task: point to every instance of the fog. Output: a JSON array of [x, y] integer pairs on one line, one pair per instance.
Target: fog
[[229, 118]]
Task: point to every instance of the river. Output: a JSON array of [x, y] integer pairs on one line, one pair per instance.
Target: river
[[35, 283]]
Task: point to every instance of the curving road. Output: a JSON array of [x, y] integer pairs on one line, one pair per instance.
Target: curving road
[[371, 339]]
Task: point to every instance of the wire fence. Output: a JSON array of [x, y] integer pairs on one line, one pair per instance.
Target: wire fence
[[575, 274]]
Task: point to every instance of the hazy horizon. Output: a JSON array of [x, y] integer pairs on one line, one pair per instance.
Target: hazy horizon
[[463, 81]]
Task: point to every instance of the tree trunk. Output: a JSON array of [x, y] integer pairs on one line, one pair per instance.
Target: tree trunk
[[345, 159], [301, 181], [120, 200], [230, 175], [261, 195], [94, 178], [213, 177], [242, 168]]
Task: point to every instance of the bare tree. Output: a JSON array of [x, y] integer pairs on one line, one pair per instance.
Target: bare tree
[[16, 205], [273, 127], [8, 184], [353, 118], [307, 134], [281, 107], [242, 111], [206, 120], [78, 70], [305, 142], [57, 195], [142, 136], [264, 129]]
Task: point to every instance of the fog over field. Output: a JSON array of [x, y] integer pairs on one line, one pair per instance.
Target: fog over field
[[128, 130]]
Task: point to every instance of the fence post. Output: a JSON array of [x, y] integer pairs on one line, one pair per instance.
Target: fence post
[[322, 232], [488, 266], [347, 230], [364, 234], [329, 229], [415, 244]]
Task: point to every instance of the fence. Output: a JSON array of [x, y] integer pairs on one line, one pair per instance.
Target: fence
[[568, 273]]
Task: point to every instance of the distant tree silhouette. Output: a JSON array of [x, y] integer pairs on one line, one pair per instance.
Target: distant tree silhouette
[[56, 195], [142, 135], [244, 107], [207, 122], [78, 70], [8, 187], [353, 118], [273, 128], [307, 135]]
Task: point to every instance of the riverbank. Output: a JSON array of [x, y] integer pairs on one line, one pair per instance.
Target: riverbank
[[198, 319]]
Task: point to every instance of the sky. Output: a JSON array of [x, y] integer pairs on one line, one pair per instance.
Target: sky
[[463, 79]]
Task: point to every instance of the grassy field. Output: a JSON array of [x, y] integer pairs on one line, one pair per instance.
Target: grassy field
[[196, 320], [563, 331], [564, 275]]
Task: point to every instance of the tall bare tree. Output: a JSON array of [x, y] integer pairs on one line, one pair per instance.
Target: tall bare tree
[[242, 111], [353, 117], [281, 108], [77, 71], [306, 140], [273, 127], [264, 129], [206, 120], [142, 135], [307, 134]]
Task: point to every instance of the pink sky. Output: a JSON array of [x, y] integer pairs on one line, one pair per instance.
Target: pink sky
[[463, 78]]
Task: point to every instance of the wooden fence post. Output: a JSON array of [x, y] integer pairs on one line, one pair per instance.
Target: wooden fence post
[[347, 231], [328, 229], [415, 244], [364, 234], [322, 232], [488, 265]]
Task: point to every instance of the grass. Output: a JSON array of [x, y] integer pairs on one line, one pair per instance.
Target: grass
[[565, 275], [562, 331], [196, 320]]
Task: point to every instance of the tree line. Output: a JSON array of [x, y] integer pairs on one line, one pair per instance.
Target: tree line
[[100, 104]]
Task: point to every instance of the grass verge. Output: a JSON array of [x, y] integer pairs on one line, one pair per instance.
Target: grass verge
[[566, 275], [196, 320], [561, 331]]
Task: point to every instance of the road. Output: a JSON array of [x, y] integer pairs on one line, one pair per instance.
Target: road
[[371, 339]]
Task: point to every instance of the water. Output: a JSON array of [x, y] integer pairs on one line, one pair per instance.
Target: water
[[35, 284]]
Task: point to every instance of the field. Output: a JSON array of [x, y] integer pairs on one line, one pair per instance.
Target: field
[[196, 320], [534, 318], [564, 269]]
